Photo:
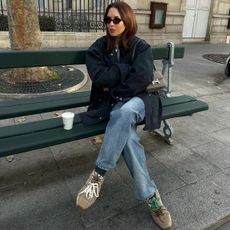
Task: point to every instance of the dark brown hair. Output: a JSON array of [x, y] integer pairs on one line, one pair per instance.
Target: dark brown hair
[[129, 19]]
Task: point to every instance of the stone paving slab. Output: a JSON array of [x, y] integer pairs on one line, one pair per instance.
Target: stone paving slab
[[201, 203], [216, 153], [222, 135], [34, 194]]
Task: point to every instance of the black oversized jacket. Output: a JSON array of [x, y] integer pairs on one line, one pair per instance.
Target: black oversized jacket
[[118, 75]]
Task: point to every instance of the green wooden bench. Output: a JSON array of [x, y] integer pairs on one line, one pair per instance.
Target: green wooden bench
[[43, 133]]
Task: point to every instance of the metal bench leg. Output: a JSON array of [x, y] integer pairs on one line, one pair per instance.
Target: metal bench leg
[[167, 132]]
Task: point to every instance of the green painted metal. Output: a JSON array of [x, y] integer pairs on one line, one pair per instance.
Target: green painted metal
[[42, 105], [22, 107], [45, 138], [184, 109], [44, 133], [65, 96], [15, 59], [163, 52], [177, 100], [33, 127], [34, 104], [55, 57], [179, 52]]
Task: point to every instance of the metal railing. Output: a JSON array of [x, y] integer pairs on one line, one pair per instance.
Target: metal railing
[[71, 15]]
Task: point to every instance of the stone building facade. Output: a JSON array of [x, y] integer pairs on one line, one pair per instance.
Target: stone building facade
[[186, 21], [219, 27]]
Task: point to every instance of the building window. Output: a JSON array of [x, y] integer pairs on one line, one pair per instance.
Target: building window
[[41, 4], [158, 15], [69, 5], [97, 4]]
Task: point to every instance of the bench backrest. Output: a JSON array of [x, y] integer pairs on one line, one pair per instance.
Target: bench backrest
[[55, 57]]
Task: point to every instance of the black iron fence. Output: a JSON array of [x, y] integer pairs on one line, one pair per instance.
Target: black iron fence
[[67, 15]]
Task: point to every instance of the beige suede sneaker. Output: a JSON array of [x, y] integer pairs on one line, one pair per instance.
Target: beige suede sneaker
[[90, 191], [159, 212]]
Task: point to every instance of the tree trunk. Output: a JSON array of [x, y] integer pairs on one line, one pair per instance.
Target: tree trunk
[[24, 32]]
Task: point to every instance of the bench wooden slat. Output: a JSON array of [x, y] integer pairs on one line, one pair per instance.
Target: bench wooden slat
[[162, 53], [57, 122], [45, 138], [184, 109], [43, 99], [177, 100], [83, 97], [171, 108], [41, 106], [29, 136], [22, 107], [36, 126], [13, 59]]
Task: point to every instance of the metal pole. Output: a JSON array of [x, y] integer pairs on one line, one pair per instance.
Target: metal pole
[[171, 47]]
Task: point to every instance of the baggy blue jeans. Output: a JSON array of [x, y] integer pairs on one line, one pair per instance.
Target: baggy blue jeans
[[121, 135]]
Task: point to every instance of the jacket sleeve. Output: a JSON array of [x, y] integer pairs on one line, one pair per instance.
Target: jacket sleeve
[[101, 73], [139, 76]]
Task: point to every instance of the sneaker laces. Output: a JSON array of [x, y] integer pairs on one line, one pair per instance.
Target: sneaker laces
[[156, 205], [91, 190], [160, 211]]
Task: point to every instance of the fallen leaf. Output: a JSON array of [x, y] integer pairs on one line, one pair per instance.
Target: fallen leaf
[[57, 114], [71, 69], [97, 140], [10, 158], [21, 119]]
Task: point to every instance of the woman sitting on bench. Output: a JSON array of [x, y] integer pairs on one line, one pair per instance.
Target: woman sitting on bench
[[120, 66]]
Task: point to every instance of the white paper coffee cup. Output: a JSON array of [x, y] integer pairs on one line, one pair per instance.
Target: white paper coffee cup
[[68, 118]]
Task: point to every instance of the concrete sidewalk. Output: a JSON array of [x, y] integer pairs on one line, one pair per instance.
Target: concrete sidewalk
[[38, 188]]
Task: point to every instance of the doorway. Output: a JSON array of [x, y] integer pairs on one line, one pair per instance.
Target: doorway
[[196, 19]]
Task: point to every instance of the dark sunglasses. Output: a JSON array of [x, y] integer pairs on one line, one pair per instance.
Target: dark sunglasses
[[108, 20]]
